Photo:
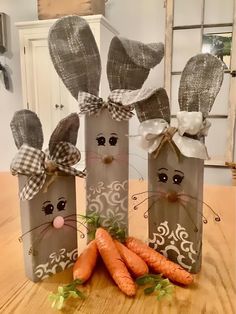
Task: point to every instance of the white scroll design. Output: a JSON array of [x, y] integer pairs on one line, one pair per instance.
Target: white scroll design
[[109, 202], [57, 261], [174, 240]]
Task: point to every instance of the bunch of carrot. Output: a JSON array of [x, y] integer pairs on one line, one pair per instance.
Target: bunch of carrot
[[134, 258]]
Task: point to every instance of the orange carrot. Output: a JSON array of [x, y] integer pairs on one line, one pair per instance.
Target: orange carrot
[[114, 262], [133, 262], [158, 262], [86, 262]]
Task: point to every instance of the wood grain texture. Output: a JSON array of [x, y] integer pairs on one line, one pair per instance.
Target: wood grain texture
[[169, 4], [213, 291], [229, 154], [49, 9]]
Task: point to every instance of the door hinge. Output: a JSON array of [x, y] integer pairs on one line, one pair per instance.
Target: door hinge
[[24, 49]]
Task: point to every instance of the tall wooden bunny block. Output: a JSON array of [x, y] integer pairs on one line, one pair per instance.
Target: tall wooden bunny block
[[47, 193], [77, 61], [176, 161]]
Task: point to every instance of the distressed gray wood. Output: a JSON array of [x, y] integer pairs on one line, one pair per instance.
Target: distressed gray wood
[[172, 229], [107, 183], [57, 249]]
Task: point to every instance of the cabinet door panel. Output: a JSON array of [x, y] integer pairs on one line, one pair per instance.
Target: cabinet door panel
[[42, 85], [70, 105]]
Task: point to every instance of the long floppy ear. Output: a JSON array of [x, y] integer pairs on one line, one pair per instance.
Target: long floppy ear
[[75, 55], [200, 83], [27, 129], [65, 131], [130, 61], [156, 106]]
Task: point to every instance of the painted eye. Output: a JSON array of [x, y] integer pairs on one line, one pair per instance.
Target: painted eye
[[162, 177], [61, 205], [101, 140], [113, 140], [48, 209], [177, 179]]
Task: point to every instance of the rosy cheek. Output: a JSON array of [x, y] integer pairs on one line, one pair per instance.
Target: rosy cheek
[[58, 222]]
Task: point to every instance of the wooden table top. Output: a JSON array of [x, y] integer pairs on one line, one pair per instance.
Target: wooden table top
[[212, 292]]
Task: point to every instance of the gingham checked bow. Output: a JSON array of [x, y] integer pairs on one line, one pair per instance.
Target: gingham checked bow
[[35, 164], [91, 104]]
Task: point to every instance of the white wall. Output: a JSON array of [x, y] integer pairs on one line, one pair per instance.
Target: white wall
[[10, 101]]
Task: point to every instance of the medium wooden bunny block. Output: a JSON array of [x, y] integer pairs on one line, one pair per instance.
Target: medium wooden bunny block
[[47, 193], [176, 161], [76, 58]]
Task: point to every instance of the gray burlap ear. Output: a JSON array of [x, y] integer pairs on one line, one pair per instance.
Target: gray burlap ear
[[154, 107], [75, 55], [200, 83], [27, 129], [65, 131], [130, 61]]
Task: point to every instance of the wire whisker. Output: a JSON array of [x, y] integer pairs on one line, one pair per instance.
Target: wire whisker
[[75, 220], [189, 216], [82, 235], [38, 239], [141, 178], [144, 200], [146, 213], [132, 155], [20, 239], [134, 196], [217, 218]]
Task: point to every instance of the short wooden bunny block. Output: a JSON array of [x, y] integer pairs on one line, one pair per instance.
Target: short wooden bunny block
[[176, 161], [47, 193]]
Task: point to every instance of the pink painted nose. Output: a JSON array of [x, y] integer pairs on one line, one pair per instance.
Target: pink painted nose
[[58, 222]]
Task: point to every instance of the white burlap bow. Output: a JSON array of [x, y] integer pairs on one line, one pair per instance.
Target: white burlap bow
[[155, 132]]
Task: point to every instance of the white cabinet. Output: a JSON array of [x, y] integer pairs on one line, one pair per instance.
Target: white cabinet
[[43, 91]]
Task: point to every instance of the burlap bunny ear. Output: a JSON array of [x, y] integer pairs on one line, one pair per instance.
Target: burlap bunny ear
[[129, 62], [200, 83], [65, 131], [75, 55], [155, 106], [27, 129]]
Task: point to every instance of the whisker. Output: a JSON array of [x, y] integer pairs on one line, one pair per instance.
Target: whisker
[[217, 218], [146, 213], [78, 215], [189, 216], [20, 239], [82, 235], [141, 178], [92, 159], [144, 200], [75, 220], [38, 239], [134, 196], [132, 155]]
